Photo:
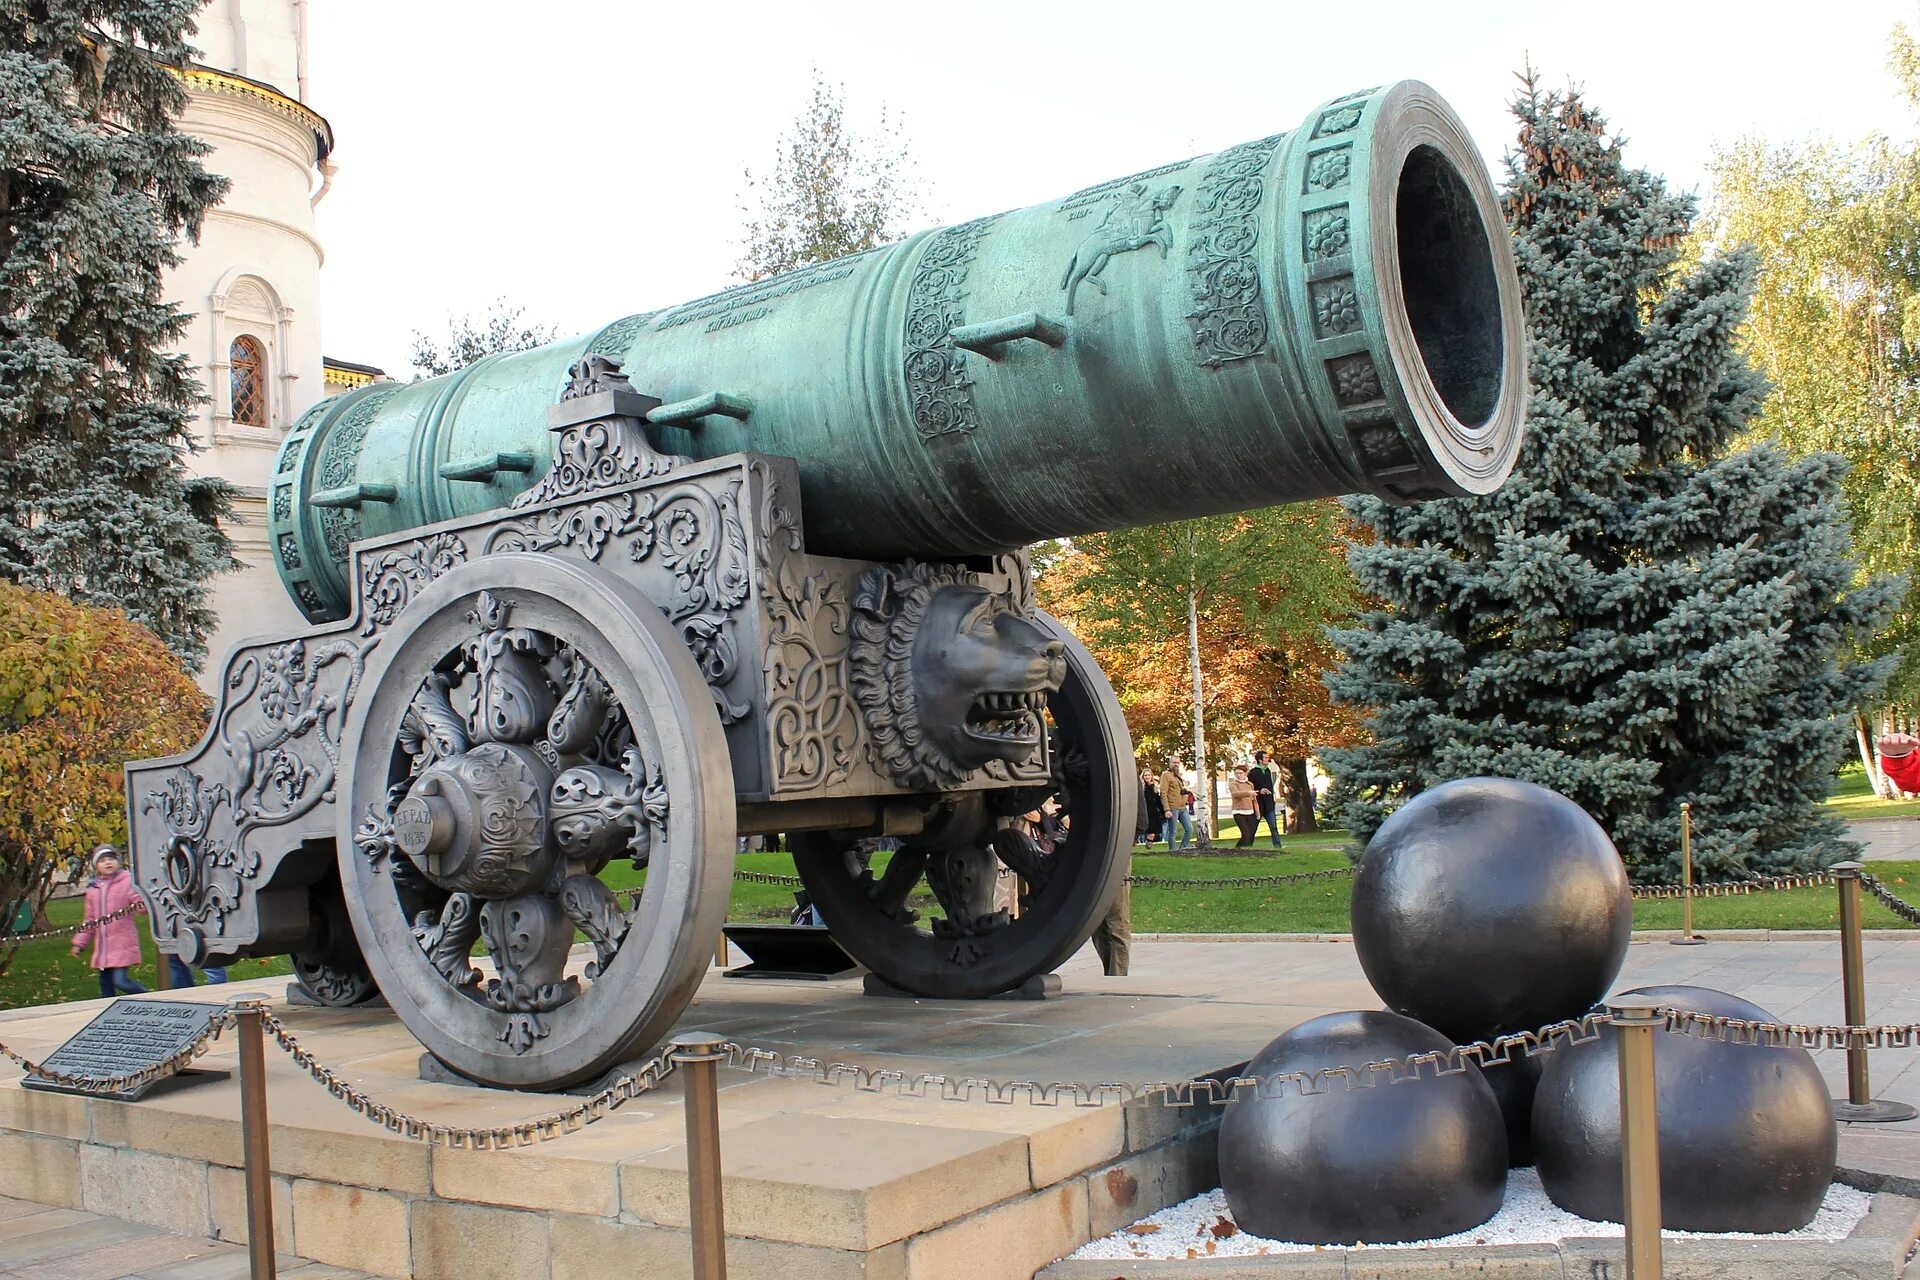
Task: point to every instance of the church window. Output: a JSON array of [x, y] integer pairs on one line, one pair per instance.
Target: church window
[[249, 372]]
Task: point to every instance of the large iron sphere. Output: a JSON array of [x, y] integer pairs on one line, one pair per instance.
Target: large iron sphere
[[1747, 1138], [1490, 905], [1376, 1165]]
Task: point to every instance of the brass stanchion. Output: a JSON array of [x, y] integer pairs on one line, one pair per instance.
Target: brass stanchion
[[720, 951], [696, 1054], [257, 1166], [1687, 938], [1860, 1105], [1636, 1018], [162, 971]]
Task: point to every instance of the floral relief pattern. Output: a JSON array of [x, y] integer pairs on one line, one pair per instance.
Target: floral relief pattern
[[939, 389], [1229, 319]]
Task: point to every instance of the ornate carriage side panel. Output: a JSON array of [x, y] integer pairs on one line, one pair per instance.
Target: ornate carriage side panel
[[685, 537], [227, 837]]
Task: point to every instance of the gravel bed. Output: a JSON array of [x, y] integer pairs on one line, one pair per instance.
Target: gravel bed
[[1203, 1227]]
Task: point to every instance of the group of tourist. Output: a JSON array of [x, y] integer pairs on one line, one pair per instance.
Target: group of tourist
[[114, 937], [1167, 804]]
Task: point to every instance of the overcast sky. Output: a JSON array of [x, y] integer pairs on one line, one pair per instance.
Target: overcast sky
[[583, 158]]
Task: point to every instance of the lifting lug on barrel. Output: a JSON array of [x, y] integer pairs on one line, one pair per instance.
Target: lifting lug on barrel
[[483, 469], [989, 336], [354, 495], [689, 412]]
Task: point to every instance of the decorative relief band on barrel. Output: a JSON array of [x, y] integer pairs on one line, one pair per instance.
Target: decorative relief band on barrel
[[1326, 253], [1229, 322], [748, 302], [280, 513], [938, 386], [618, 336], [340, 463]]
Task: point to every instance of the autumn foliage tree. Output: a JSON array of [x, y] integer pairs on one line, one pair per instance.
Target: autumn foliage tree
[[1213, 629], [82, 691]]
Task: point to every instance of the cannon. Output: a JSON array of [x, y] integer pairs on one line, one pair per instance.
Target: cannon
[[755, 564]]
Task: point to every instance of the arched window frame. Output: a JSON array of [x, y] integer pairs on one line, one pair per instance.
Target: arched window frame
[[245, 301], [248, 381]]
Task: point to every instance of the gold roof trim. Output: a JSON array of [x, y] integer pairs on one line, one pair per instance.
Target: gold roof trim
[[212, 81]]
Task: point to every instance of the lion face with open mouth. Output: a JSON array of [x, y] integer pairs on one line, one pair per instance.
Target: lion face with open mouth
[[949, 677]]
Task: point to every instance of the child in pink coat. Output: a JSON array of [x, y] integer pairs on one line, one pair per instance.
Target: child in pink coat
[[116, 943]]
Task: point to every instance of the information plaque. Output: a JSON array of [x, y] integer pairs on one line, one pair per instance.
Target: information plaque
[[129, 1036]]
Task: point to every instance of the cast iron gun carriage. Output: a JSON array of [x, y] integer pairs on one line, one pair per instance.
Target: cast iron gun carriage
[[566, 609]]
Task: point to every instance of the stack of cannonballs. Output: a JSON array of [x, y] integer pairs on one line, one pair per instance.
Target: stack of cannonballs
[[1488, 906]]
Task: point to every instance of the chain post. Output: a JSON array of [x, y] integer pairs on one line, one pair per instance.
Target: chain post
[[249, 1018], [1636, 1018], [162, 970], [1687, 938], [720, 951], [697, 1053], [1860, 1105]]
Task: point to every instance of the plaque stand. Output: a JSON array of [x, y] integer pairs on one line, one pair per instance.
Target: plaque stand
[[129, 1036]]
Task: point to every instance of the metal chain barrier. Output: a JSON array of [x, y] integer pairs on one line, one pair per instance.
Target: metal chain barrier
[[1785, 1035], [67, 931], [132, 1080], [1733, 888], [1205, 1090], [1700, 889], [1888, 899], [1239, 882], [648, 1076]]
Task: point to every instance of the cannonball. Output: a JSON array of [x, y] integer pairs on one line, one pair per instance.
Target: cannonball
[[1513, 1083], [1377, 1165], [1489, 905], [1747, 1138]]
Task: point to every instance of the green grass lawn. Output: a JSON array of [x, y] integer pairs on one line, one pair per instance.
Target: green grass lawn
[[1852, 798], [47, 972]]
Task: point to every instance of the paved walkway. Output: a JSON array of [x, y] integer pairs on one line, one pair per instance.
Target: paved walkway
[[42, 1243], [1888, 839]]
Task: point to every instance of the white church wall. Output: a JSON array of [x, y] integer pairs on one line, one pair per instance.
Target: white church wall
[[255, 271]]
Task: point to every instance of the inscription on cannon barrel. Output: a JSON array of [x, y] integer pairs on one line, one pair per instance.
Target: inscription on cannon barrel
[[130, 1036]]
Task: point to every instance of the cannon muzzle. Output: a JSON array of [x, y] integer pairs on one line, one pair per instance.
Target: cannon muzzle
[[1327, 311]]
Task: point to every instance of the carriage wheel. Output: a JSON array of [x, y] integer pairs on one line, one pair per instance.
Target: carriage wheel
[[332, 970], [530, 721], [986, 954]]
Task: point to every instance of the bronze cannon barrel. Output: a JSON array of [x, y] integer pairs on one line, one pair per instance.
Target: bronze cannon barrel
[[1332, 310]]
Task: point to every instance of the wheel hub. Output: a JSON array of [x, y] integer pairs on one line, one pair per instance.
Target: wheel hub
[[476, 822]]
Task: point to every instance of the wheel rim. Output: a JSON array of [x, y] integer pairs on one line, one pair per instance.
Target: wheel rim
[[1094, 760], [527, 1026]]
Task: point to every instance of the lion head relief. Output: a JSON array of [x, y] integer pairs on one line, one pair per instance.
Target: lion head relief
[[947, 674]]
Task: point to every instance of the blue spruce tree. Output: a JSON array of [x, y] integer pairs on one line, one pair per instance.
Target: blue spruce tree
[[96, 185], [1648, 612]]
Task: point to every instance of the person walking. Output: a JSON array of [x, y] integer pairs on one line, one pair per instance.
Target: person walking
[[1153, 810], [1173, 794], [1113, 936], [1266, 801], [1241, 800], [116, 942], [182, 973]]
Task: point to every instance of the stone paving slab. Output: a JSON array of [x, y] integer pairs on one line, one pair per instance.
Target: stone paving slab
[[1887, 839], [65, 1244], [831, 1182]]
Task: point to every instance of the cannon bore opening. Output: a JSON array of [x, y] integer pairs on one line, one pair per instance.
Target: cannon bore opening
[[1447, 279]]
